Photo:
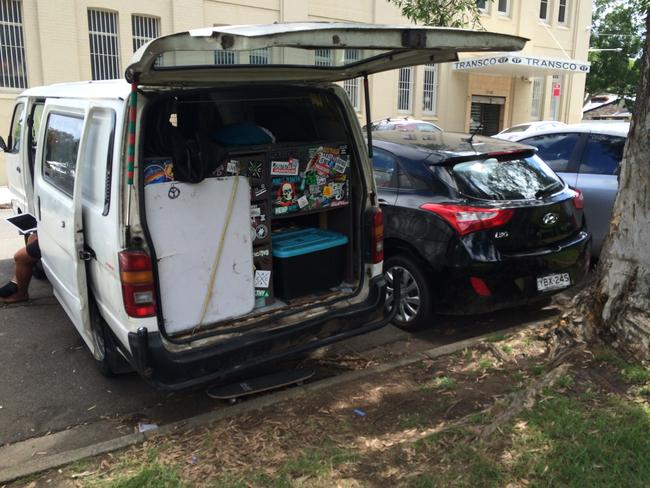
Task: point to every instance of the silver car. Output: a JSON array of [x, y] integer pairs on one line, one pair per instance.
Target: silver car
[[587, 156]]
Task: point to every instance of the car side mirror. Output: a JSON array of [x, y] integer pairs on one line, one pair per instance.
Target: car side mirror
[[3, 145]]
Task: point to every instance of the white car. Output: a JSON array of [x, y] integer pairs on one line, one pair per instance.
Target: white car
[[516, 132], [587, 156]]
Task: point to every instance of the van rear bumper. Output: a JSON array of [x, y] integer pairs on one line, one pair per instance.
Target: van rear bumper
[[173, 371]]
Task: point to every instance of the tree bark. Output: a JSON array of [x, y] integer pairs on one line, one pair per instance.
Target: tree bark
[[620, 303]]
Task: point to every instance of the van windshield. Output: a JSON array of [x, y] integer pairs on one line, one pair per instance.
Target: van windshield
[[515, 179]]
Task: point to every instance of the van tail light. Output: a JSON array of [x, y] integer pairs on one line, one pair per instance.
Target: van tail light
[[578, 200], [377, 236], [465, 219], [138, 290]]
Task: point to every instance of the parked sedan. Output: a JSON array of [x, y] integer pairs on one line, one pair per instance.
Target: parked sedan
[[475, 223], [518, 131], [587, 156]]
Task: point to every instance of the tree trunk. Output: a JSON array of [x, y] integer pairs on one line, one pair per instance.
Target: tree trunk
[[621, 302]]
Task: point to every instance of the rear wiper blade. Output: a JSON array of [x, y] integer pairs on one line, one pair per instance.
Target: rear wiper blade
[[547, 190]]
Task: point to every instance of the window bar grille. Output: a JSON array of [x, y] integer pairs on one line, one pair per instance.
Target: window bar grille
[[404, 89], [259, 56], [323, 57], [104, 44], [430, 95], [144, 29], [12, 45], [352, 86]]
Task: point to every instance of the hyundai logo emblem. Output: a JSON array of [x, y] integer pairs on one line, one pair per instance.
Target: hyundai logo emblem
[[550, 218]]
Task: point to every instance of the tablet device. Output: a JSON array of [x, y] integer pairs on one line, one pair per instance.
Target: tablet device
[[25, 223]]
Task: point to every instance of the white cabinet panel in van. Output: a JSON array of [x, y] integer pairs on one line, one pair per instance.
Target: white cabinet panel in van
[[187, 223]]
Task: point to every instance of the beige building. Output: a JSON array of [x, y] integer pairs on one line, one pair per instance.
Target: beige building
[[53, 41]]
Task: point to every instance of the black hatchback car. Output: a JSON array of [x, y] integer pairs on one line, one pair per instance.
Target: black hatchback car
[[476, 224]]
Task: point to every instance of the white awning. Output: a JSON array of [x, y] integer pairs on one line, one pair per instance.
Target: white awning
[[518, 64]]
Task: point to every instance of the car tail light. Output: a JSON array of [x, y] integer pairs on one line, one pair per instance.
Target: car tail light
[[480, 287], [377, 236], [579, 199], [465, 219], [138, 290]]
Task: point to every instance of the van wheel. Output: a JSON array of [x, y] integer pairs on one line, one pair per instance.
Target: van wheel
[[414, 309], [107, 358]]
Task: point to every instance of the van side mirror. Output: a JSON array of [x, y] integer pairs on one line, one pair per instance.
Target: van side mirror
[[3, 145]]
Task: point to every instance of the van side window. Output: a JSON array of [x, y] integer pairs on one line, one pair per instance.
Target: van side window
[[62, 136], [97, 159], [16, 127]]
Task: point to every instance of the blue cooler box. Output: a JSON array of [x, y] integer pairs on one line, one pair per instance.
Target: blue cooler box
[[307, 261]]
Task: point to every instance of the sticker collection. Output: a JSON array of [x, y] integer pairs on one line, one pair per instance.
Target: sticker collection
[[281, 183]]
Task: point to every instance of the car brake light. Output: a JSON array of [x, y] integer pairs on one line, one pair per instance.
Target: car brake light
[[465, 219], [480, 287], [377, 236], [138, 290], [579, 199]]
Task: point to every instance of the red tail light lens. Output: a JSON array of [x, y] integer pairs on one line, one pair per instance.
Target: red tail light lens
[[465, 219], [480, 287], [138, 289], [377, 236], [579, 199]]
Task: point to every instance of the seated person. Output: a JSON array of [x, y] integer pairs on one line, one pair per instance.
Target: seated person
[[16, 289]]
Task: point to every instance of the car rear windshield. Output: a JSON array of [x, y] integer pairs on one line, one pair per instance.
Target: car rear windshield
[[513, 179], [516, 128]]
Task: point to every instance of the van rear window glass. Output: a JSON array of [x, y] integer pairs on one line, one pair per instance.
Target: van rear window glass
[[515, 179], [275, 56], [62, 136], [16, 125]]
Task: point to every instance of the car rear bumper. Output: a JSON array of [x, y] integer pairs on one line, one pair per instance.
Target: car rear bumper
[[512, 280], [173, 371]]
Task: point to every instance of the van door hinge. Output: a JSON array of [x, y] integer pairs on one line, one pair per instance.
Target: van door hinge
[[87, 254]]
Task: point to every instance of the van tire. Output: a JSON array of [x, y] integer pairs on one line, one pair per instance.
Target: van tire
[[420, 289], [107, 358]]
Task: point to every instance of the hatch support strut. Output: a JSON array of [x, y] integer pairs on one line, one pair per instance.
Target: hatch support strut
[[366, 96]]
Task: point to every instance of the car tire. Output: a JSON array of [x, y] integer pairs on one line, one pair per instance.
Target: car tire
[[415, 310], [108, 359]]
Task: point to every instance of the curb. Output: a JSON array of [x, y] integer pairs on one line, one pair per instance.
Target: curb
[[60, 459]]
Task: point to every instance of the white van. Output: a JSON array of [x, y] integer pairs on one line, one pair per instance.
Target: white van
[[216, 212]]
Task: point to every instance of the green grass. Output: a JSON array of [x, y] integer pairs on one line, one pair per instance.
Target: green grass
[[635, 374], [565, 381], [444, 383], [496, 337], [485, 363], [506, 348], [569, 443], [150, 476]]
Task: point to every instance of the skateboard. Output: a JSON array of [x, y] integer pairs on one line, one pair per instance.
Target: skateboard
[[234, 391]]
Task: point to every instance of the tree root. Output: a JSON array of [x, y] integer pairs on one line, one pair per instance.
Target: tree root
[[521, 400]]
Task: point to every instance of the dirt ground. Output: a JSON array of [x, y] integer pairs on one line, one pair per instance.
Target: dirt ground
[[454, 421]]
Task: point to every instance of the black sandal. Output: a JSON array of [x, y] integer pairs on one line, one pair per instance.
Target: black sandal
[[8, 290]]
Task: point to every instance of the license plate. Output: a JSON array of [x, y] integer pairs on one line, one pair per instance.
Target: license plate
[[553, 282]]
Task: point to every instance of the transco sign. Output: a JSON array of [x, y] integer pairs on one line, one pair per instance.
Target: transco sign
[[526, 62]]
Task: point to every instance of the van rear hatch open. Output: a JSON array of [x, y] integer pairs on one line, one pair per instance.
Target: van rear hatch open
[[286, 158], [303, 51]]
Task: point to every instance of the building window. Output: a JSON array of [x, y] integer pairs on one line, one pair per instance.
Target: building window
[[144, 29], [543, 9], [536, 99], [503, 7], [430, 95], [12, 46], [224, 57], [405, 90], [323, 57], [352, 86], [556, 95], [562, 11], [483, 5], [260, 56], [104, 44]]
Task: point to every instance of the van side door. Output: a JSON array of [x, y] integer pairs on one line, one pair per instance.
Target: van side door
[[14, 157], [57, 197]]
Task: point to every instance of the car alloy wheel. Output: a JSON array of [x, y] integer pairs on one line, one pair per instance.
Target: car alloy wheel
[[409, 304]]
